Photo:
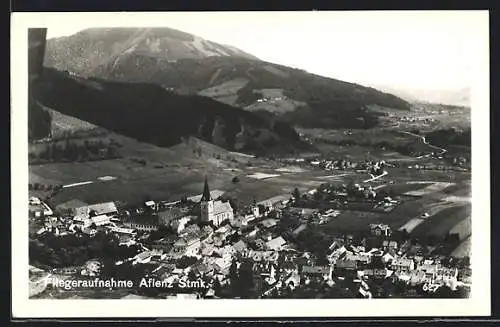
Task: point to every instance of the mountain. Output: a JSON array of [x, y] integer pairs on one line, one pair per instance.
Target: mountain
[[187, 64], [151, 114], [457, 97]]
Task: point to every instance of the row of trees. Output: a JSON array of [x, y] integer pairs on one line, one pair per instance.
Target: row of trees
[[74, 250], [75, 151], [446, 137], [39, 121]]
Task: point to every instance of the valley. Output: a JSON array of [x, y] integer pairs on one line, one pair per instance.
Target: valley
[[163, 154]]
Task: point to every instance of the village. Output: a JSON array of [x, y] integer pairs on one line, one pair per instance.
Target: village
[[201, 247]]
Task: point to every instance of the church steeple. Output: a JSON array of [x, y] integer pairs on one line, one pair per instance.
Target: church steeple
[[206, 192]]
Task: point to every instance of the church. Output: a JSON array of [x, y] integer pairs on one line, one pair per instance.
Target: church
[[214, 211]]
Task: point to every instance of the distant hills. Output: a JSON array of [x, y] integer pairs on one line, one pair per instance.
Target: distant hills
[[151, 114], [188, 65], [458, 97]]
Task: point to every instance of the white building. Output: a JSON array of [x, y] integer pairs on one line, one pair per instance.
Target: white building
[[214, 211]]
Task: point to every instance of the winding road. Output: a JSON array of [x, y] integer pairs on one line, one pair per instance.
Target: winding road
[[424, 140]]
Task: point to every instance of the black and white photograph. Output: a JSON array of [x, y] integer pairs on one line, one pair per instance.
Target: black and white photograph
[[227, 157]]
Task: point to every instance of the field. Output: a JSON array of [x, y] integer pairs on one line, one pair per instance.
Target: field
[[167, 174]]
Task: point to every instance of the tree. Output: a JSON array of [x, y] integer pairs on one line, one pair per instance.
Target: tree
[[217, 287], [246, 279], [233, 277], [235, 179]]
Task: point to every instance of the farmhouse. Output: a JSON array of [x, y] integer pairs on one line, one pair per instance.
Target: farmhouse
[[143, 222], [108, 208], [380, 230], [38, 209], [69, 207], [100, 220], [276, 244], [403, 264]]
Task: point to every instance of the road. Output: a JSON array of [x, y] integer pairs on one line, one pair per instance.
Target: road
[[376, 177], [424, 140]]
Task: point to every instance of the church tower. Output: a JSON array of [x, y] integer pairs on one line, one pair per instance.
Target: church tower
[[206, 204]]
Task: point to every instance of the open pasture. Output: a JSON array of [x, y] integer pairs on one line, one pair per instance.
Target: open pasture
[[442, 222], [433, 188]]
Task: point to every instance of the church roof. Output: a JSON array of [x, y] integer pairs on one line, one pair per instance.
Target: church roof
[[206, 192], [221, 207]]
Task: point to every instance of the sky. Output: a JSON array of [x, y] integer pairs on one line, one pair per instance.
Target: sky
[[407, 50]]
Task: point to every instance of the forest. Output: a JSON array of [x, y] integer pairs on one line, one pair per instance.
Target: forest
[[71, 151]]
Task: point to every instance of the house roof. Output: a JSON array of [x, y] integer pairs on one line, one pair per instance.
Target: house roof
[[346, 264], [213, 194], [315, 269], [239, 246], [275, 199], [99, 208], [276, 242], [402, 262], [299, 229], [144, 219], [144, 255], [170, 214], [99, 218], [221, 207], [71, 204], [268, 222]]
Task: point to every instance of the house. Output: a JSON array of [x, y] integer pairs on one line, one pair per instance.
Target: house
[[206, 231], [169, 215], [346, 265], [390, 245], [179, 224], [82, 222], [265, 235], [239, 222], [123, 231], [293, 280], [165, 244], [143, 257], [69, 207], [38, 208], [240, 246], [207, 249], [143, 222], [201, 268], [337, 254], [190, 243], [419, 277], [214, 211], [107, 208], [299, 229], [100, 220], [376, 273], [360, 258], [151, 205], [268, 223], [322, 271], [222, 265], [380, 230], [258, 256], [386, 258], [403, 264], [276, 201], [276, 244]]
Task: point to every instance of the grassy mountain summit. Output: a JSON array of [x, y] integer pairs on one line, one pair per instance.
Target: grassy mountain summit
[[188, 64]]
